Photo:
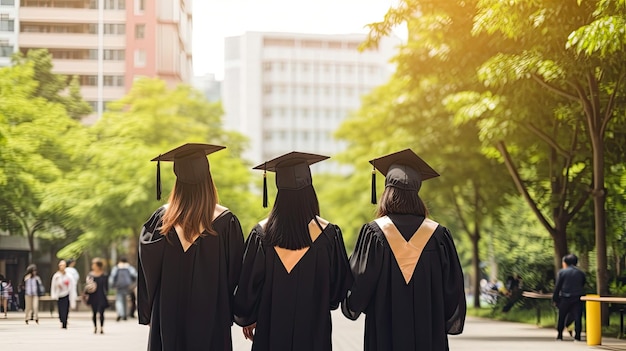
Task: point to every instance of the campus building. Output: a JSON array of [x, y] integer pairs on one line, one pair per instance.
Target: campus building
[[288, 91], [106, 43]]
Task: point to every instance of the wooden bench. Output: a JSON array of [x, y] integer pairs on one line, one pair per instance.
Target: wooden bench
[[539, 296]]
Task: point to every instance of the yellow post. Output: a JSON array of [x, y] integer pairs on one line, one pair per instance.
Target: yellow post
[[594, 322]]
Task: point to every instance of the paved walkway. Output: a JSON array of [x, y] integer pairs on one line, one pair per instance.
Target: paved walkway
[[479, 335]]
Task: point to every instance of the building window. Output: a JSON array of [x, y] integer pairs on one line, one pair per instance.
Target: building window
[[114, 55], [6, 50], [114, 4], [7, 2], [113, 81], [140, 31], [267, 89], [267, 112], [140, 6], [140, 58], [114, 28], [7, 25], [267, 66]]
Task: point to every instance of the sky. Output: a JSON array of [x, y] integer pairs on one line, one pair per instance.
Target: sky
[[214, 20]]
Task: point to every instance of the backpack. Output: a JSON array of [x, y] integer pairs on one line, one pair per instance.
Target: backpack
[[123, 278]]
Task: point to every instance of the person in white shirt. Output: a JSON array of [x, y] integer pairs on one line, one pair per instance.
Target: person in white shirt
[[62, 289], [71, 270]]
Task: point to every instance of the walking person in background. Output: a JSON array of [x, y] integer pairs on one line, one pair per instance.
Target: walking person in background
[[407, 276], [569, 287], [61, 290], [189, 260], [71, 270], [295, 268], [123, 278], [5, 294], [33, 288], [97, 288]]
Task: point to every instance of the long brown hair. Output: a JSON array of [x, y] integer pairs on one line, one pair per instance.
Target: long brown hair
[[191, 206], [400, 201]]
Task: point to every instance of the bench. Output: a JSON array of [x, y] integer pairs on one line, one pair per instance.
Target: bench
[[539, 296]]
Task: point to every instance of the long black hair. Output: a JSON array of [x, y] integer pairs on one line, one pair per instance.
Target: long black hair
[[401, 201], [288, 222]]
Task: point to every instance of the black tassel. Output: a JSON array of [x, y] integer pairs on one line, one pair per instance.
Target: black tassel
[[158, 180], [265, 186], [374, 186]]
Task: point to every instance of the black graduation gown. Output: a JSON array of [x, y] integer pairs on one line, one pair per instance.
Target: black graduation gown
[[186, 297], [292, 310], [401, 316]]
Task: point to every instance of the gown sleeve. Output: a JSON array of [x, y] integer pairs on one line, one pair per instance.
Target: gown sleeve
[[365, 262], [248, 292], [151, 248], [234, 252], [453, 287], [340, 274]]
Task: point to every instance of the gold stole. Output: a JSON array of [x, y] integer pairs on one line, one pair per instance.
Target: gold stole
[[407, 253], [290, 258]]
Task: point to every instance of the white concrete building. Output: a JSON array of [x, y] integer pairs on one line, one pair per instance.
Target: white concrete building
[[289, 91], [9, 28]]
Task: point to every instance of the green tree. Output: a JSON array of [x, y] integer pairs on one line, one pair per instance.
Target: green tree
[[37, 146], [52, 86], [567, 51]]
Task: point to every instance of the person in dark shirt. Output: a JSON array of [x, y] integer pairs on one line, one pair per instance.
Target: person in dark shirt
[[570, 286]]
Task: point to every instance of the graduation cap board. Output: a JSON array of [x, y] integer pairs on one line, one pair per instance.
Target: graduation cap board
[[292, 171], [191, 165], [402, 169]]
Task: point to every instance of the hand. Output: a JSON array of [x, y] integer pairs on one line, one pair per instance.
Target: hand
[[248, 332]]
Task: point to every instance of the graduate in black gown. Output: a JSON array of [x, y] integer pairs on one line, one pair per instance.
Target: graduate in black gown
[[407, 276], [190, 253], [295, 268]]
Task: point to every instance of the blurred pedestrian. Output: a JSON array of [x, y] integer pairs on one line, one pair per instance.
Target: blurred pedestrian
[[407, 276], [61, 290], [570, 286], [189, 260], [97, 288], [33, 288], [71, 270], [5, 294], [123, 278]]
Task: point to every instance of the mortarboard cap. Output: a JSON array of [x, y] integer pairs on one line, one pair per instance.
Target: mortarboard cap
[[292, 171], [191, 165], [402, 169]]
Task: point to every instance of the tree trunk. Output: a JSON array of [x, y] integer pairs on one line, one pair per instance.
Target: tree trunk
[[476, 268], [560, 246]]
